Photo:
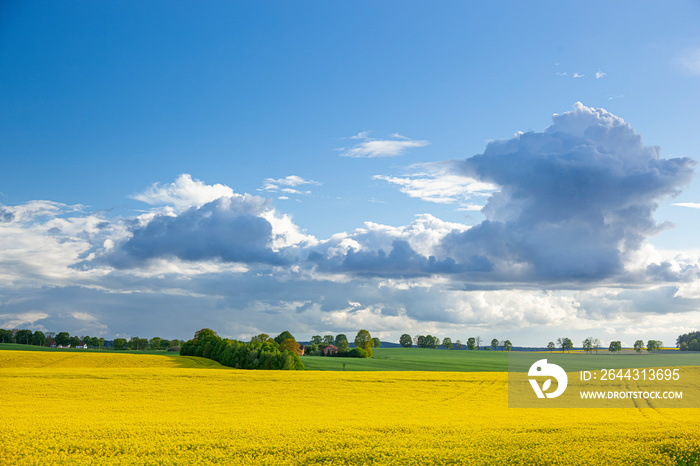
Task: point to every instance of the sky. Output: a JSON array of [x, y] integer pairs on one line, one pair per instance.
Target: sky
[[497, 169]]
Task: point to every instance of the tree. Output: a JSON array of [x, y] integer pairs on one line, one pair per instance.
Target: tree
[[63, 338], [316, 340], [94, 342], [447, 343], [23, 336], [165, 344], [596, 344], [405, 340], [291, 345], [74, 341], [376, 342], [565, 343], [551, 346], [471, 343], [38, 338], [494, 343], [154, 343], [5, 336], [284, 336], [694, 345], [343, 346], [639, 346], [615, 346], [117, 344], [687, 338], [433, 342], [364, 340], [341, 337], [478, 343], [262, 338], [654, 345], [507, 345], [587, 344], [684, 346], [458, 344]]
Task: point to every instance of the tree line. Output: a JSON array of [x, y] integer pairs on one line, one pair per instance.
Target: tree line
[[591, 344], [262, 352], [339, 346], [472, 343], [689, 341], [66, 340]]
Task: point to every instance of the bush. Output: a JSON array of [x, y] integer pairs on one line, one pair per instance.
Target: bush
[[234, 353], [358, 353]]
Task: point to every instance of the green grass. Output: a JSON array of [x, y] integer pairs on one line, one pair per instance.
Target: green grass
[[417, 359], [414, 359]]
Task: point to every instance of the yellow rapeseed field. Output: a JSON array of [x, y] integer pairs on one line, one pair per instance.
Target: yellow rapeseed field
[[71, 408]]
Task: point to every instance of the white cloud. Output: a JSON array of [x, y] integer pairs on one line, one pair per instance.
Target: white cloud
[[600, 74], [577, 75], [692, 205], [395, 146], [10, 321], [689, 60], [440, 183], [287, 185], [184, 193]]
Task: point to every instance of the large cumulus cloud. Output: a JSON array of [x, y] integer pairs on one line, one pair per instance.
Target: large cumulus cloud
[[229, 229], [574, 199]]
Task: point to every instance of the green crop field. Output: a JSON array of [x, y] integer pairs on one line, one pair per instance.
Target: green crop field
[[414, 359], [417, 359]]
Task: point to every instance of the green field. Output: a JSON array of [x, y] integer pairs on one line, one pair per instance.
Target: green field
[[414, 359]]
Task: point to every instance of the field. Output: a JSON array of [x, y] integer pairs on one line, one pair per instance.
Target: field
[[107, 408], [415, 359]]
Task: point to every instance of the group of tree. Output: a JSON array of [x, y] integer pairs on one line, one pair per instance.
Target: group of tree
[[39, 338], [591, 344], [429, 341], [262, 352], [363, 345], [65, 340], [689, 341], [652, 346], [143, 344]]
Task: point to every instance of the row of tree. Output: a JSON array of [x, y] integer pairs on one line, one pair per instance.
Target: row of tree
[[39, 338], [339, 346], [262, 352], [591, 344], [430, 341], [65, 339]]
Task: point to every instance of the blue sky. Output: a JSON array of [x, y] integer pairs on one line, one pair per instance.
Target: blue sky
[[262, 166]]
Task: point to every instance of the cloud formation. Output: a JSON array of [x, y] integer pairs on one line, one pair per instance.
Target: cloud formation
[[441, 183], [287, 185], [394, 146], [229, 229], [183, 193], [574, 199]]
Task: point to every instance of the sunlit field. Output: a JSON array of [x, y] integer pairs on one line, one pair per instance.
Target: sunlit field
[[72, 408]]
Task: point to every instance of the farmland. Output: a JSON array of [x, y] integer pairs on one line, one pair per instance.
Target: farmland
[[93, 408]]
